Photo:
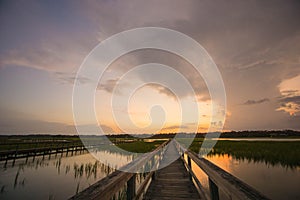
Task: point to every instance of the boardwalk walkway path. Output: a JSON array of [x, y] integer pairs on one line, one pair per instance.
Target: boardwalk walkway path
[[173, 181]]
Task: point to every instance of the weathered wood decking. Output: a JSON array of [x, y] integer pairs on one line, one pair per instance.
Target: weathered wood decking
[[172, 182]]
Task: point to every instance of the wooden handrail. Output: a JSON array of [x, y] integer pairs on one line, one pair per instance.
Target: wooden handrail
[[4, 152], [197, 183], [233, 187], [111, 184]]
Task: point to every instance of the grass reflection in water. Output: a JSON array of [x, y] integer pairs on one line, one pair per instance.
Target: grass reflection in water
[[284, 153]]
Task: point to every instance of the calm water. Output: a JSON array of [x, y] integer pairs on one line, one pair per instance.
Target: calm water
[[261, 139], [59, 177], [274, 181]]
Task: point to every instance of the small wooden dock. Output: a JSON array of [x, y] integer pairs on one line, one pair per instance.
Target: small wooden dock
[[34, 150]]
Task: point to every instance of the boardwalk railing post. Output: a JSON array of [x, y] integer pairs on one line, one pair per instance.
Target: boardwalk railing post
[[50, 152], [214, 191], [153, 167], [67, 149], [190, 166], [189, 162], [131, 188], [15, 156]]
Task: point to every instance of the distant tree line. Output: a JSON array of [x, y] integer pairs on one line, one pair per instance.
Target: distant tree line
[[236, 134], [229, 134]]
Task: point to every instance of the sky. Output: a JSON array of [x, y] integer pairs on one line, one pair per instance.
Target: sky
[[255, 45]]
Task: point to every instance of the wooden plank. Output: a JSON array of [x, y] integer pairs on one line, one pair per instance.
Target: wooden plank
[[172, 198], [172, 182]]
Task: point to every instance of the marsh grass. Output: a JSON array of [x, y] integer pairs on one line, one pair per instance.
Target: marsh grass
[[286, 154], [140, 146]]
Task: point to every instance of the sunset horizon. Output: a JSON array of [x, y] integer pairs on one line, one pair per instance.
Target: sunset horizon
[[42, 54], [129, 99]]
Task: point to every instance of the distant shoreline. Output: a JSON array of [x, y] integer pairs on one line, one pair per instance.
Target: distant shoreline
[[231, 134]]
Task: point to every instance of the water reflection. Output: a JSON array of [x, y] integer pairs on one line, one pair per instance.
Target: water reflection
[[275, 181], [58, 177], [286, 154]]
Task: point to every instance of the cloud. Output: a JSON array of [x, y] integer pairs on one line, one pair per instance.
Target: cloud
[[289, 103], [253, 102], [162, 89], [289, 92], [175, 128], [28, 126], [44, 127], [127, 62], [113, 85], [294, 99], [34, 37], [15, 122], [216, 123], [94, 129], [52, 56], [69, 78], [253, 43], [108, 86]]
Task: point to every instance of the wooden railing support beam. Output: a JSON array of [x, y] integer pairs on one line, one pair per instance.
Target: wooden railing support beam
[[214, 190], [131, 192]]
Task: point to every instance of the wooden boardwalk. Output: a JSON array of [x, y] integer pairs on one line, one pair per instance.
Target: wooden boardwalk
[[172, 182], [40, 151]]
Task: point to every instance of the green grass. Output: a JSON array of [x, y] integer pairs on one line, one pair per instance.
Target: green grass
[[286, 154], [140, 146], [32, 142]]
